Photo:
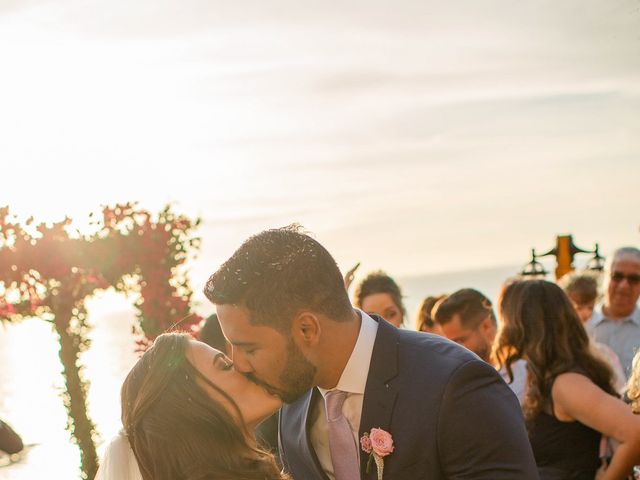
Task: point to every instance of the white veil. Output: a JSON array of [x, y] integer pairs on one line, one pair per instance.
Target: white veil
[[119, 462]]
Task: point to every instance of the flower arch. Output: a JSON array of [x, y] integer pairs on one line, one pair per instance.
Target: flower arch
[[48, 270]]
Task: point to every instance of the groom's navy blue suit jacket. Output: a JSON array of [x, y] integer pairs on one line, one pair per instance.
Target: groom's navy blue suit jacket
[[450, 414]]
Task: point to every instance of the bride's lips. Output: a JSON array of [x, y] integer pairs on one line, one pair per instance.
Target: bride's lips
[[265, 386]]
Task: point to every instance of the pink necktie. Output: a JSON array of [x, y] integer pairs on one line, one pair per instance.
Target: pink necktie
[[344, 452]]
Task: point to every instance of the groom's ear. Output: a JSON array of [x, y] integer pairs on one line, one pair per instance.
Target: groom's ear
[[306, 328]]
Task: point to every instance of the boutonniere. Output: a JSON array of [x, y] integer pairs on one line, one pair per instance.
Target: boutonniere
[[378, 444]]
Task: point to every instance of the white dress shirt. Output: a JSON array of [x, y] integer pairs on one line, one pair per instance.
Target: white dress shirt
[[519, 383], [353, 380]]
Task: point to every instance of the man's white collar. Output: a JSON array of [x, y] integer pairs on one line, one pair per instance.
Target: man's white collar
[[354, 375]]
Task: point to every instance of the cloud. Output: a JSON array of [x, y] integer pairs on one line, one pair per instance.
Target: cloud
[[428, 123]]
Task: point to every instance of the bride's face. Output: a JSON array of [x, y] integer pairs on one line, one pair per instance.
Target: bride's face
[[254, 402]]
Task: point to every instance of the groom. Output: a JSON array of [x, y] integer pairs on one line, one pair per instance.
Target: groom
[[282, 305]]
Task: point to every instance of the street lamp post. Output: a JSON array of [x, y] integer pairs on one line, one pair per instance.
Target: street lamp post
[[564, 251]]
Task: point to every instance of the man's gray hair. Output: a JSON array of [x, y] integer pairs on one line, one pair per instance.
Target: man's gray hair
[[624, 252]]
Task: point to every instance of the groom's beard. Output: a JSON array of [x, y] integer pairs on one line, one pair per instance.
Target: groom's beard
[[484, 352], [297, 376], [296, 379]]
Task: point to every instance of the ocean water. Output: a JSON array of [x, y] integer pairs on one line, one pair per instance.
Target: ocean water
[[488, 281], [31, 380]]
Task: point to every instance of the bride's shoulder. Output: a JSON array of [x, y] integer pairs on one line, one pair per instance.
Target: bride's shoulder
[[118, 461], [118, 444]]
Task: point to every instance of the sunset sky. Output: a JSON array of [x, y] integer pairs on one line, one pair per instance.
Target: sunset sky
[[414, 136]]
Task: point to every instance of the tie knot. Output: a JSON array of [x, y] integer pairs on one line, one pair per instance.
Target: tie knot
[[334, 400]]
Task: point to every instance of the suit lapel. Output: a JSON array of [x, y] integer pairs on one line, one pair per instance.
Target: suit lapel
[[380, 392]]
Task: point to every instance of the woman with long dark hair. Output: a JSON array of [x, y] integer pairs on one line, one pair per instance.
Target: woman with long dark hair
[[188, 415], [570, 402]]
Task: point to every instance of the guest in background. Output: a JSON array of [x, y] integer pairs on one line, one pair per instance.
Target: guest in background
[[582, 290], [633, 393], [466, 317], [570, 401], [378, 293], [633, 387], [616, 323], [424, 319], [211, 334], [10, 441]]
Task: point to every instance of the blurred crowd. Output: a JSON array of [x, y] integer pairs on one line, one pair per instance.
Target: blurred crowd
[[569, 351]]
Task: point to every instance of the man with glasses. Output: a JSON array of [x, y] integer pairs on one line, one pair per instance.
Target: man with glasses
[[616, 322]]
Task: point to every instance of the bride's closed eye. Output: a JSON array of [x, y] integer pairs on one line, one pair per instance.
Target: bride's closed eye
[[223, 362]]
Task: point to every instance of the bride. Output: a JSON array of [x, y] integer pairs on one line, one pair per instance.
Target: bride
[[188, 415]]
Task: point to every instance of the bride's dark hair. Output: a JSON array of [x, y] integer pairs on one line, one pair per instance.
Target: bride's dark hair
[[177, 431]]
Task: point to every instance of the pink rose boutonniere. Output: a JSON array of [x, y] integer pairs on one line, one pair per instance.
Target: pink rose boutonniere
[[378, 444]]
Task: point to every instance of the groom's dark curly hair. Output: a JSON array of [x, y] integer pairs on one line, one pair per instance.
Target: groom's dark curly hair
[[278, 273]]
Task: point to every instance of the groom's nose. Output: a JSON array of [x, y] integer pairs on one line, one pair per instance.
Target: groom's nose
[[240, 361]]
